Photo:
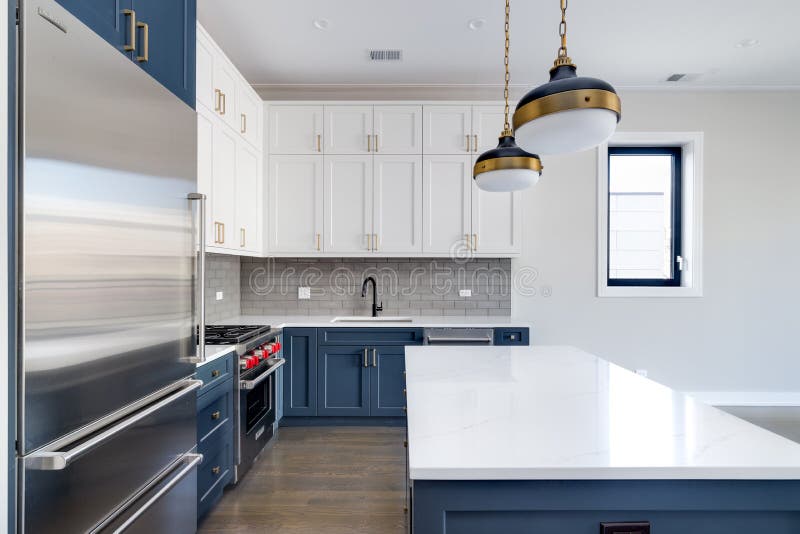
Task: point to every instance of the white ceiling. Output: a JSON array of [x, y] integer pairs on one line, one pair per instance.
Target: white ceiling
[[630, 43]]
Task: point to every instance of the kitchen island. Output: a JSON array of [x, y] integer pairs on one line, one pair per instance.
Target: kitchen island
[[552, 439]]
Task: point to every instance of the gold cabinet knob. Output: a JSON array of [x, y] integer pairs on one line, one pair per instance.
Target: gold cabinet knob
[[215, 415], [215, 373], [215, 470]]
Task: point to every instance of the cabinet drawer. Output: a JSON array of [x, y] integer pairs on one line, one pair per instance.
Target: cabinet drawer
[[512, 336], [370, 336], [216, 468], [216, 412], [214, 373]]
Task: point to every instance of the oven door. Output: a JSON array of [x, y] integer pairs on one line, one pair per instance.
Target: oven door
[[257, 413]]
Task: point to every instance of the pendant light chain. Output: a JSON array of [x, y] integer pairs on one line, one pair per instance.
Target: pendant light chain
[[507, 125], [563, 58]]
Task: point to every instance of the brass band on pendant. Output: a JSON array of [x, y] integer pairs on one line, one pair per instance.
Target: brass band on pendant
[[566, 100], [513, 162]]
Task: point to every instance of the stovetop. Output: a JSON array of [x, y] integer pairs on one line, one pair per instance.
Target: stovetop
[[233, 334]]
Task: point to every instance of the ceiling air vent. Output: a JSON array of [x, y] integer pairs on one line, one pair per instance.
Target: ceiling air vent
[[676, 77], [683, 77], [386, 55]]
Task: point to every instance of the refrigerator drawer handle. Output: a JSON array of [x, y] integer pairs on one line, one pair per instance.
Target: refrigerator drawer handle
[[191, 461], [250, 384], [58, 460]]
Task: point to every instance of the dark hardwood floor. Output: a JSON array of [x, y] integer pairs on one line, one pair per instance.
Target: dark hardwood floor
[[320, 480]]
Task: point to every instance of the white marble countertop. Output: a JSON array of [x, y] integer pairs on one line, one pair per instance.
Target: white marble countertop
[[553, 413], [217, 351], [321, 321]]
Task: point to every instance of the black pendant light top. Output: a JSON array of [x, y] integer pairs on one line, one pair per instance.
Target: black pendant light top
[[506, 148], [564, 78]]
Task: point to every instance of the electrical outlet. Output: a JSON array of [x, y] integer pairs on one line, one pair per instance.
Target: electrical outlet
[[219, 295], [464, 292], [642, 372], [304, 293], [638, 527]]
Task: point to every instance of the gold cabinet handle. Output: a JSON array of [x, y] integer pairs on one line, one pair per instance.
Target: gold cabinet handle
[[474, 241], [146, 46], [375, 242], [366, 356], [242, 238], [376, 142], [374, 357], [216, 415], [131, 29], [215, 373], [466, 238], [318, 247], [222, 233], [369, 241], [215, 470], [224, 103], [475, 137], [217, 99], [468, 143], [369, 143], [244, 123], [319, 143]]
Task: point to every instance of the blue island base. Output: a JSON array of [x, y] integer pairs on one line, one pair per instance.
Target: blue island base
[[580, 506]]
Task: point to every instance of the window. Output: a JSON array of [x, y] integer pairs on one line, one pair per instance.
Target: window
[[650, 215], [644, 216]]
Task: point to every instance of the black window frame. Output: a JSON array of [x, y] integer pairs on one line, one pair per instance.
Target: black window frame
[[676, 152]]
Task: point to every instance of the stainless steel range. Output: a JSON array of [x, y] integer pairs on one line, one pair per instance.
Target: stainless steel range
[[258, 349]]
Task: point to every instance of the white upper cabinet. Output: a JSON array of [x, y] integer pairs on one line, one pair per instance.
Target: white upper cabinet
[[205, 166], [295, 204], [397, 129], [447, 204], [248, 193], [348, 204], [397, 204], [496, 222], [295, 129], [205, 72], [348, 130], [223, 188], [447, 129], [250, 114], [225, 93], [487, 124]]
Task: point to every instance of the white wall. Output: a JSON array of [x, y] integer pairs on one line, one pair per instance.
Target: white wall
[[744, 333]]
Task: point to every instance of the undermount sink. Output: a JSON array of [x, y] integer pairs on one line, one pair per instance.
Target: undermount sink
[[368, 319]]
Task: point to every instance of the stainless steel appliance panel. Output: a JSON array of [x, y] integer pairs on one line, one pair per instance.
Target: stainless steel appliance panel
[[107, 254], [78, 495]]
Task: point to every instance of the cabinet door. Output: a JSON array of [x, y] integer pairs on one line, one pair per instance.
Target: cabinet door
[[165, 48], [295, 129], [387, 381], [248, 195], [348, 130], [223, 188], [295, 200], [205, 167], [348, 204], [343, 381], [249, 115], [487, 123], [398, 129], [397, 204], [447, 129], [225, 93], [300, 371], [447, 203], [105, 18], [204, 74], [496, 222]]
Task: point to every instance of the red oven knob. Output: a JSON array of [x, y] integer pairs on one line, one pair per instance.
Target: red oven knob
[[277, 346]]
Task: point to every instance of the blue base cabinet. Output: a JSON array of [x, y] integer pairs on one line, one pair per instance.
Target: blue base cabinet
[[161, 33], [343, 380], [214, 432], [388, 382], [300, 371]]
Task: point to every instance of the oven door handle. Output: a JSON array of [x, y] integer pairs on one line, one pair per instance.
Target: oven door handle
[[251, 384]]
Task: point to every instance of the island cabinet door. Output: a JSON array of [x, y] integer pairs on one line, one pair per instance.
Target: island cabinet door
[[343, 381], [387, 381], [300, 371]]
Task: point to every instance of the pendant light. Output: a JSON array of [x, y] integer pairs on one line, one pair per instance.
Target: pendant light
[[507, 167], [569, 113]]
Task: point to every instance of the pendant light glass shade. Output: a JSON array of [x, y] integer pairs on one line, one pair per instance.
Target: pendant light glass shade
[[568, 114], [507, 168]]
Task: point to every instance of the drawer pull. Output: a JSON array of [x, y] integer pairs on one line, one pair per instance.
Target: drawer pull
[[215, 373], [215, 470], [215, 415]]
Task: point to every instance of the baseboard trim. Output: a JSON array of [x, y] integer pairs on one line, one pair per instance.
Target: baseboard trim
[[342, 421]]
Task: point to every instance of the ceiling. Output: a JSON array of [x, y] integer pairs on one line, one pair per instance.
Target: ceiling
[[630, 43]]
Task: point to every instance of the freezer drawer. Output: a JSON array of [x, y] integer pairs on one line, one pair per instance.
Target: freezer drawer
[[78, 486]]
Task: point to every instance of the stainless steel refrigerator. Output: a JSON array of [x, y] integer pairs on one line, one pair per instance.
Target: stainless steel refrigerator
[[107, 272]]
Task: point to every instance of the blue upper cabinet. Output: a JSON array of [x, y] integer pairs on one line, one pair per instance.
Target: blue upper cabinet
[[157, 35], [166, 43]]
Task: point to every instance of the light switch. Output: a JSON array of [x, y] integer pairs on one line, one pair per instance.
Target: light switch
[[464, 292], [219, 295], [304, 293]]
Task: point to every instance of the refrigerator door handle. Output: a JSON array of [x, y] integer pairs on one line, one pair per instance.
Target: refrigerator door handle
[[201, 278], [58, 460], [190, 460]]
